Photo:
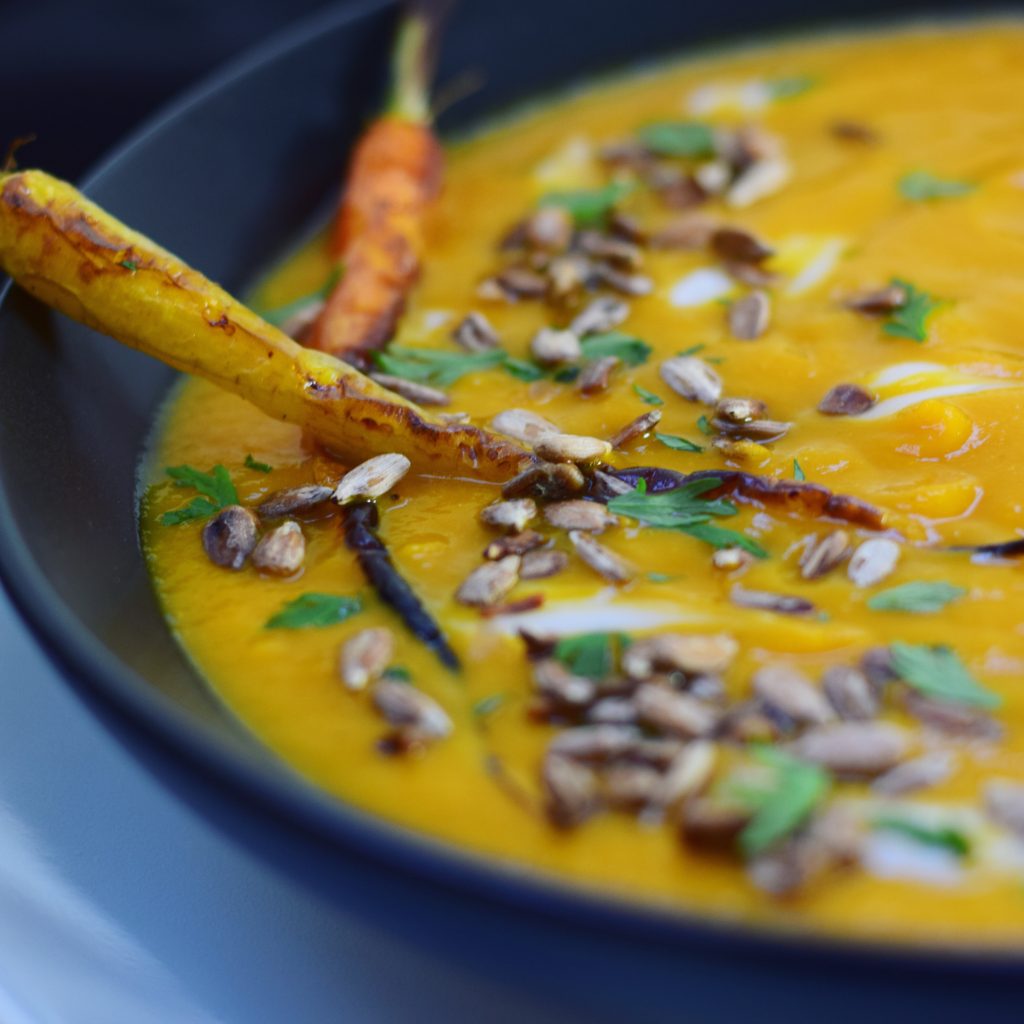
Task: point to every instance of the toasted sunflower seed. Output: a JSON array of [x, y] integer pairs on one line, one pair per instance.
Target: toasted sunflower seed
[[597, 375], [626, 284], [850, 693], [523, 425], [521, 283], [919, 773], [558, 684], [687, 232], [612, 711], [690, 653], [567, 276], [728, 559], [1004, 803], [538, 565], [595, 744], [630, 787], [740, 410], [487, 584], [365, 656], [549, 228], [749, 316], [762, 600], [571, 789], [823, 554], [230, 536], [548, 481], [762, 430], [692, 378], [421, 394], [878, 301], [853, 131], [513, 544], [711, 823], [281, 551], [643, 424], [846, 400], [604, 562], [599, 316], [579, 515], [873, 561], [856, 749], [688, 774], [736, 245], [509, 515], [759, 180], [410, 710], [674, 713], [372, 478], [614, 250], [785, 689], [951, 719], [298, 499], [550, 347], [475, 333], [571, 448]]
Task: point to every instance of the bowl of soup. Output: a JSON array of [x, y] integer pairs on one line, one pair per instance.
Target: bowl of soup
[[721, 688]]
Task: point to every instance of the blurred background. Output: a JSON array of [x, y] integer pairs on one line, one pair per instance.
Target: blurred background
[[82, 73]]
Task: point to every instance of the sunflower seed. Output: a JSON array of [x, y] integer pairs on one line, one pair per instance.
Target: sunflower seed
[[785, 689], [1004, 803], [475, 334], [846, 400], [550, 347], [759, 180], [919, 773], [761, 600], [571, 790], [855, 749], [713, 177], [613, 711], [597, 375], [850, 693], [281, 551], [514, 544], [740, 410], [571, 448], [421, 394], [549, 228], [739, 246], [559, 685], [372, 478], [604, 562], [950, 719], [761, 430], [599, 316], [673, 713], [522, 425], [567, 275], [729, 559], [749, 316], [642, 425], [230, 536], [595, 744], [823, 554], [579, 515], [853, 131], [365, 656], [688, 774], [630, 787], [878, 301], [521, 283], [692, 378], [688, 232], [487, 584], [538, 565], [623, 225], [690, 653], [614, 250], [711, 823], [547, 481], [626, 284], [509, 515], [298, 499], [873, 561], [411, 711]]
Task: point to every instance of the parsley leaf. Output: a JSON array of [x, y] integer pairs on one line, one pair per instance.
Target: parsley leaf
[[129, 265], [693, 349], [488, 705], [314, 610], [591, 655], [922, 186], [260, 467], [796, 788], [788, 87], [523, 369], [678, 444], [919, 596], [216, 487], [280, 314], [944, 836], [434, 366], [659, 577], [909, 321], [647, 396], [798, 473], [678, 138], [397, 673], [703, 426], [632, 351], [589, 207], [722, 537], [938, 672]]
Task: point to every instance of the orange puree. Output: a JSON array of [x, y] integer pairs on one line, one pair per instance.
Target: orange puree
[[935, 454]]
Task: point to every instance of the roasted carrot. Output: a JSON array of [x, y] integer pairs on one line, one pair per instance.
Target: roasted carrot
[[68, 252], [378, 236]]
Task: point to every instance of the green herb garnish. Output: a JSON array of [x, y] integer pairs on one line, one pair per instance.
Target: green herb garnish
[[589, 207], [922, 186], [919, 596], [793, 792], [943, 836], [678, 444], [316, 611], [647, 396], [798, 473], [693, 349], [790, 86], [938, 672], [216, 487], [632, 351], [523, 369], [703, 426], [683, 509], [659, 577], [910, 320], [434, 366], [260, 467], [129, 265], [678, 138], [589, 654], [488, 705], [279, 314]]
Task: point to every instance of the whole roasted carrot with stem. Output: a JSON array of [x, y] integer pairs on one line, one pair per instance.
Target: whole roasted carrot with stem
[[68, 252], [393, 177]]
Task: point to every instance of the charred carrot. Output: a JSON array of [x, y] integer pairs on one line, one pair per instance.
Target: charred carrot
[[394, 175]]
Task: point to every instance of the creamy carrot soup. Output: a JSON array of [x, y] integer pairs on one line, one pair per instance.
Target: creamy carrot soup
[[748, 639]]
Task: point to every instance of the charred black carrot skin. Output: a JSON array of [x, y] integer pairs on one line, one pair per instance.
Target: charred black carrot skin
[[361, 536]]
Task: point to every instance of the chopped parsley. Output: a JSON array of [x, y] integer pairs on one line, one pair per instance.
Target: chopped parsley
[[678, 138], [129, 265], [216, 489], [693, 349], [591, 655], [910, 320], [315, 611], [920, 596], [944, 836], [632, 351], [488, 705], [790, 86], [589, 207], [703, 426], [260, 467], [523, 369], [678, 444], [798, 474], [938, 672], [659, 577], [647, 396], [397, 674], [922, 187], [434, 366], [683, 509]]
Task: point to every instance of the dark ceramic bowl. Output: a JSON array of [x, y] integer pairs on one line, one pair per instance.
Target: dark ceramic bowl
[[224, 178]]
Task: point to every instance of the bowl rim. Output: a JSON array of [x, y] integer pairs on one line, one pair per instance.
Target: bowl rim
[[271, 790]]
